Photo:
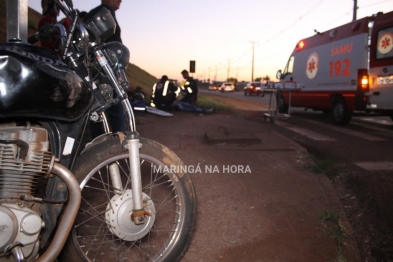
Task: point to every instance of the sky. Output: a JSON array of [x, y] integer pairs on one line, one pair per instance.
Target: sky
[[224, 36]]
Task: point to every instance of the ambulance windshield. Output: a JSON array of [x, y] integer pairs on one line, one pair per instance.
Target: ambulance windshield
[[289, 68]]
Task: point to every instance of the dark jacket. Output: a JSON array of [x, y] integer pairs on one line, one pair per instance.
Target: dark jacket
[[164, 88], [164, 94], [117, 36], [191, 89]]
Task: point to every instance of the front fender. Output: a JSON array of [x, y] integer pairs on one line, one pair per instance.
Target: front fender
[[105, 137]]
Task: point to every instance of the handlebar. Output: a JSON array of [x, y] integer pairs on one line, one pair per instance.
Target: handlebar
[[46, 32]]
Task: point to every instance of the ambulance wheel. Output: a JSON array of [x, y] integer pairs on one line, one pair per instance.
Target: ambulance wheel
[[340, 113], [282, 107]]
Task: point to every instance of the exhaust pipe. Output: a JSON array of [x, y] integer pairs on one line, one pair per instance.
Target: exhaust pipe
[[71, 211]]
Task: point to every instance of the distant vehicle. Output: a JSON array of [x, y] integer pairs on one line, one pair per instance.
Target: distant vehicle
[[345, 69], [214, 86], [273, 84], [253, 88], [227, 87]]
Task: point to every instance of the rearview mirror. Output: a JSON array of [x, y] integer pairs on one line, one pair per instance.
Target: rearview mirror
[[278, 74]]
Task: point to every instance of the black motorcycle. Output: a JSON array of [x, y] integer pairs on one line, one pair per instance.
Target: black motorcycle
[[116, 199]]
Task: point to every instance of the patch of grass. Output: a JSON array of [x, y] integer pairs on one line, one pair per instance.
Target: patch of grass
[[339, 232], [141, 79], [329, 215], [322, 166], [339, 256], [207, 101], [338, 229], [31, 24]]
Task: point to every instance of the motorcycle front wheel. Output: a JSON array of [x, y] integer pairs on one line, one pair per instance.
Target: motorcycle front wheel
[[103, 229]]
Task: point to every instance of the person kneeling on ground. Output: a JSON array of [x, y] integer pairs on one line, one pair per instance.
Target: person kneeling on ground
[[188, 102], [164, 94]]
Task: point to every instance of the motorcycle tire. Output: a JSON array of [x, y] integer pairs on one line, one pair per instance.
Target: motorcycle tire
[[103, 229]]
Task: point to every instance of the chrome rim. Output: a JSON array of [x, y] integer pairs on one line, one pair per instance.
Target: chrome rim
[[99, 238]]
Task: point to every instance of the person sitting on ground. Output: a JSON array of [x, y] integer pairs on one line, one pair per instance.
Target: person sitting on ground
[[164, 94], [188, 102]]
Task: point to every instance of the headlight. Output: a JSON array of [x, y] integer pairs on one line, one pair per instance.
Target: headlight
[[118, 54]]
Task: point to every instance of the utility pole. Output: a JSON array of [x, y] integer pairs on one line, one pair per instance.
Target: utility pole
[[252, 63], [229, 64], [355, 8], [215, 76]]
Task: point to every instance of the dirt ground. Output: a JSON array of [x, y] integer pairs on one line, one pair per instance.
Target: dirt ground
[[272, 214], [367, 198]]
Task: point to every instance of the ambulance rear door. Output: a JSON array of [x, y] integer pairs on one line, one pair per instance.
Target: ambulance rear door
[[381, 64]]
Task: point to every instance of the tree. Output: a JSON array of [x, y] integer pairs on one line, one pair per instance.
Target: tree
[[266, 78], [233, 81]]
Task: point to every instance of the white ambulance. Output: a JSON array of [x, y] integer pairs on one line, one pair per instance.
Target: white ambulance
[[345, 69]]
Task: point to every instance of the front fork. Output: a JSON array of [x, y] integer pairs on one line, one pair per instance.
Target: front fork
[[132, 139]]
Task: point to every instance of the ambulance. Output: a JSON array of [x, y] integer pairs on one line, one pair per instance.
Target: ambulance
[[342, 70]]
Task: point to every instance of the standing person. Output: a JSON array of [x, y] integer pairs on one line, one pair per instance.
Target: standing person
[[112, 6], [188, 102], [164, 93], [190, 87], [116, 113]]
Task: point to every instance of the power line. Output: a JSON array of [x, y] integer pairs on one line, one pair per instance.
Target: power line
[[281, 32]]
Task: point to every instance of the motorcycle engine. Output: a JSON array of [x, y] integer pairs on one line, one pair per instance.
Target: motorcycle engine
[[24, 158]]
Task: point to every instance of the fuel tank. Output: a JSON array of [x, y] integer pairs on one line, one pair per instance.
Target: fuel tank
[[35, 83]]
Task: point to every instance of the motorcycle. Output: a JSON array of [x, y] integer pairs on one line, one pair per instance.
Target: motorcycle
[[113, 200]]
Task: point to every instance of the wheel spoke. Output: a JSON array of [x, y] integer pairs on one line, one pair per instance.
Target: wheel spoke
[[97, 214], [105, 230]]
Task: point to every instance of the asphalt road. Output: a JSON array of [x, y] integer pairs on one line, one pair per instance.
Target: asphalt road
[[380, 121]]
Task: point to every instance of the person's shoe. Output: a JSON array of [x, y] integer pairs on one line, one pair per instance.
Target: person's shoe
[[210, 110]]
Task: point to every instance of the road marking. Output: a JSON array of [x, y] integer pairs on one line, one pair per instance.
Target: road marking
[[348, 131], [375, 166], [310, 134]]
